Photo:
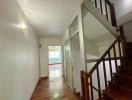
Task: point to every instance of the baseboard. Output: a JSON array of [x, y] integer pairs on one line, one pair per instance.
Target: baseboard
[[40, 79], [34, 89], [43, 78], [77, 93], [55, 63]]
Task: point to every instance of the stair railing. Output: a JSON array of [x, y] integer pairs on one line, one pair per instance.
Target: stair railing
[[124, 43], [106, 8], [87, 77]]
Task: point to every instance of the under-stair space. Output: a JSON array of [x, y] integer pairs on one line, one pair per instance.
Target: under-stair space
[[108, 57], [97, 37], [102, 81]]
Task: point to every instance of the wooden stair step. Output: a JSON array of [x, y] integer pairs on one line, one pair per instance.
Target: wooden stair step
[[116, 94], [128, 66], [129, 59], [123, 76], [129, 44], [129, 47], [129, 55], [124, 88], [128, 71]]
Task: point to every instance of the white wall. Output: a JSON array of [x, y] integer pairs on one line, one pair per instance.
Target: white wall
[[91, 49], [19, 69], [122, 7], [65, 36], [45, 42], [123, 10], [124, 15]]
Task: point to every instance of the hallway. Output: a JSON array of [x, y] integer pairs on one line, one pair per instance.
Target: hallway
[[54, 88]]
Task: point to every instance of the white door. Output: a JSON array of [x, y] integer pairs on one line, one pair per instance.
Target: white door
[[69, 68], [76, 61]]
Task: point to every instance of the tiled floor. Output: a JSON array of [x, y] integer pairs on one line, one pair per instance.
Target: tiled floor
[[54, 88]]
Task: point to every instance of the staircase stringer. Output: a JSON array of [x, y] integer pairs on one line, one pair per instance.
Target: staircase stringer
[[102, 18]]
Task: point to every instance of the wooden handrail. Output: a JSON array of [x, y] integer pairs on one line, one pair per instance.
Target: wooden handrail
[[87, 76], [107, 51], [101, 59]]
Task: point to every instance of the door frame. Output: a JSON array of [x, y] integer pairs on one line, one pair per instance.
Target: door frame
[[71, 85], [70, 40]]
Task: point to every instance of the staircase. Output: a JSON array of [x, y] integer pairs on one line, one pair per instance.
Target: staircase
[[129, 49], [119, 85], [104, 11]]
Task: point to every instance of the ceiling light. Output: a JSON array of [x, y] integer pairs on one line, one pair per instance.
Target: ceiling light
[[23, 26]]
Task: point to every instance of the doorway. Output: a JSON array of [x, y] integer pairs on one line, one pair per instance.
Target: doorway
[[68, 60], [55, 62], [76, 61]]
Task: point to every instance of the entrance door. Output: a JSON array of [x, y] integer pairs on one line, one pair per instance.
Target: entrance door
[[55, 62], [69, 68]]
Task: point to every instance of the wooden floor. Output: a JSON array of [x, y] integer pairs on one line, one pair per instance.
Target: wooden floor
[[54, 88]]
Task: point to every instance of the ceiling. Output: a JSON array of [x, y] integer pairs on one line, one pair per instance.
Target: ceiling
[[49, 18], [123, 10]]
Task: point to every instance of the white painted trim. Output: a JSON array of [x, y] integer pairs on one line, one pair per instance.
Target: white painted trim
[[70, 85]]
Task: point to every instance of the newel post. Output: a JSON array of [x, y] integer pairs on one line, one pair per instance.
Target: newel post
[[122, 31], [84, 85], [124, 43], [113, 15]]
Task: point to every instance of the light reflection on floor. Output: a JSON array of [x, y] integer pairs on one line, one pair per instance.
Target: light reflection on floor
[[55, 71], [55, 87], [55, 78]]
